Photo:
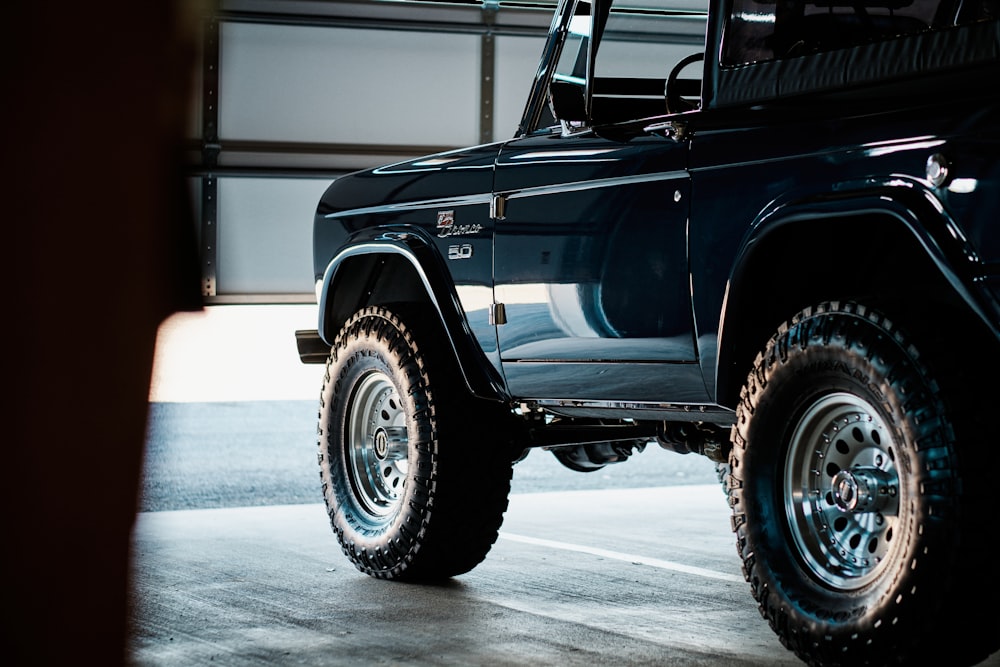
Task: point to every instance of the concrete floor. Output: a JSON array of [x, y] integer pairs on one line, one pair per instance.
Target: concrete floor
[[623, 576], [576, 578]]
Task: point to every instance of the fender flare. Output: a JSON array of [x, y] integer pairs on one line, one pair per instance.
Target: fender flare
[[913, 207], [480, 376]]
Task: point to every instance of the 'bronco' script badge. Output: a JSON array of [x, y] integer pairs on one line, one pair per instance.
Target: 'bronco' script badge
[[447, 227]]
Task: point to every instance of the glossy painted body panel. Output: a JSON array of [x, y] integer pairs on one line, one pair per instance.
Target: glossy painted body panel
[[752, 174], [591, 263], [445, 200], [622, 255]]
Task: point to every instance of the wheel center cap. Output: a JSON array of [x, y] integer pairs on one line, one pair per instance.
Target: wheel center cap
[[381, 444], [846, 492]]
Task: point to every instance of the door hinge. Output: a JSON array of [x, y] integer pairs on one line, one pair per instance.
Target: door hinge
[[498, 207], [498, 314]]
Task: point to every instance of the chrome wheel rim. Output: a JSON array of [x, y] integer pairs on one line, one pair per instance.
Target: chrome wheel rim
[[377, 446], [841, 491]]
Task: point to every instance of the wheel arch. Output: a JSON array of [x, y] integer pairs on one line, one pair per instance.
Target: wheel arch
[[399, 267], [893, 248]]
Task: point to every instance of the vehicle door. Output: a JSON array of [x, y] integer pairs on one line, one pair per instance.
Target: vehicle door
[[590, 257]]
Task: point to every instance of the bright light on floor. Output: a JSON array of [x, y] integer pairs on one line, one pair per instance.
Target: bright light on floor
[[234, 353]]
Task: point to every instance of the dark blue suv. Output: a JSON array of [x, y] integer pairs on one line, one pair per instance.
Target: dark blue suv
[[780, 251]]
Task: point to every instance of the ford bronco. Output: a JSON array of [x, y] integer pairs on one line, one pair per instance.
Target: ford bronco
[[780, 251]]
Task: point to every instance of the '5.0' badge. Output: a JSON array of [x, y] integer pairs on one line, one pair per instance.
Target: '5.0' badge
[[463, 251]]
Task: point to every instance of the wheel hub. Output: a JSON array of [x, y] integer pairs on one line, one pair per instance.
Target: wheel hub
[[863, 490]]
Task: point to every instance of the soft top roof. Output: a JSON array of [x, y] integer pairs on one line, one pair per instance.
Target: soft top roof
[[939, 48]]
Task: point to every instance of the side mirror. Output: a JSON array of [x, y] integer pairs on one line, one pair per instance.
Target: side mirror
[[683, 94], [568, 102]]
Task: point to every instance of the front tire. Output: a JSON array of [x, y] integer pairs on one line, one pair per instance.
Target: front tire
[[414, 482], [847, 497]]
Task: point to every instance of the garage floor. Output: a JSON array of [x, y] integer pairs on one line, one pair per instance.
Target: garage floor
[[627, 576], [576, 578]]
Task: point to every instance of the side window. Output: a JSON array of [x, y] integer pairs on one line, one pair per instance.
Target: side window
[[763, 30], [614, 60], [646, 39], [641, 43], [568, 89], [572, 65]]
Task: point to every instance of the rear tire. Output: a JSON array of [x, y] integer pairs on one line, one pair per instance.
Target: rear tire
[[415, 482], [850, 503]]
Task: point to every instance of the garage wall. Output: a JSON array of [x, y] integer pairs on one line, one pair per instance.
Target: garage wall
[[295, 93]]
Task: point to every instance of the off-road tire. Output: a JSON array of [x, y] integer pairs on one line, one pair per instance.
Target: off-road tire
[[414, 475], [840, 387]]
